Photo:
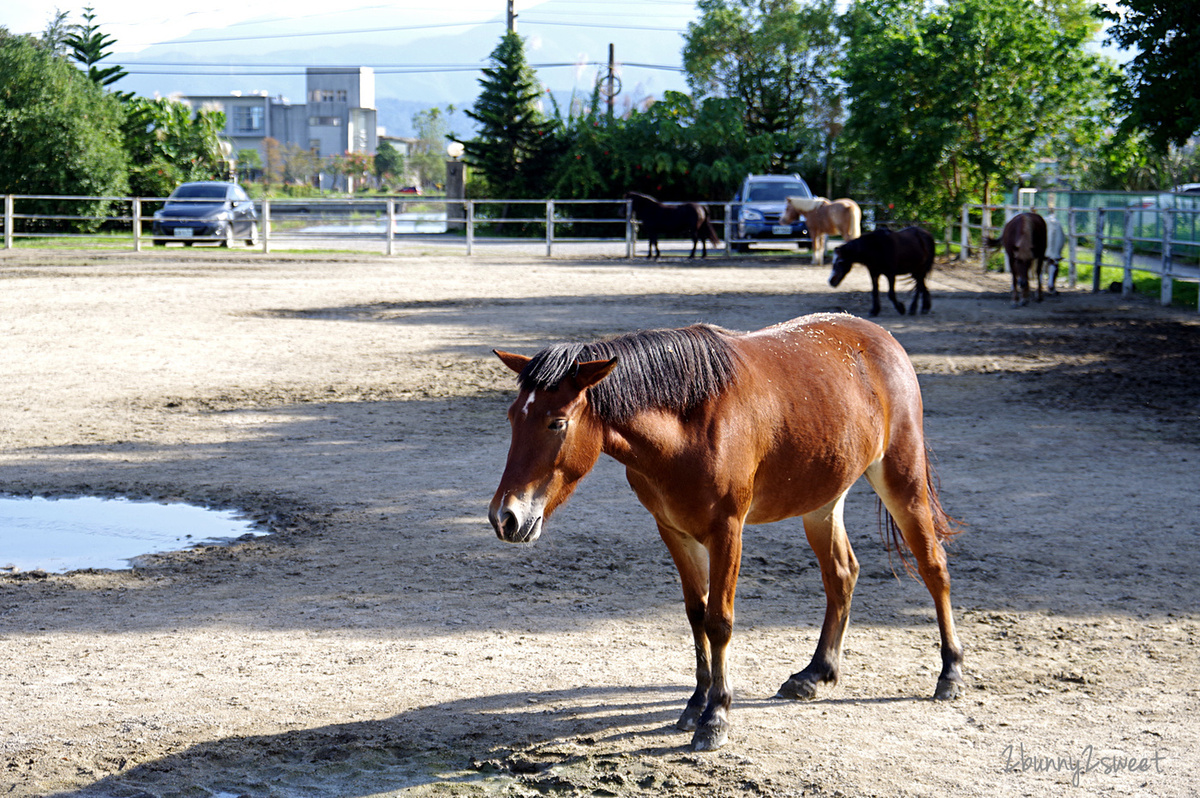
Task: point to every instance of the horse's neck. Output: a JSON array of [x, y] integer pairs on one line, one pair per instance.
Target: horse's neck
[[647, 441]]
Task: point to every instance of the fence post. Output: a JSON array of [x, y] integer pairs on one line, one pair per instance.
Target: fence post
[[1168, 257], [1072, 269], [8, 221], [549, 228], [964, 235], [1127, 254], [1098, 262], [266, 225], [985, 224], [470, 225], [729, 229], [1009, 213], [630, 231], [137, 224], [391, 226]]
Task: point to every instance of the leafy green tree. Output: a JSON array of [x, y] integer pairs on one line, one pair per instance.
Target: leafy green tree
[[60, 133], [169, 145], [777, 57], [249, 163], [674, 150], [89, 47], [507, 152], [389, 163], [1158, 94], [428, 157], [948, 101]]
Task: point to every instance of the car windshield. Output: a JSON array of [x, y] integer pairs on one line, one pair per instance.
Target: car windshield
[[775, 192], [199, 192]]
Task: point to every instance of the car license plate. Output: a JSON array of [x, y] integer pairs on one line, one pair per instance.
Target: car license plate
[[184, 232], [781, 230]]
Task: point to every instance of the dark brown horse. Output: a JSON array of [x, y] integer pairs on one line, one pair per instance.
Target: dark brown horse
[[887, 254], [1024, 241], [661, 219], [719, 429]]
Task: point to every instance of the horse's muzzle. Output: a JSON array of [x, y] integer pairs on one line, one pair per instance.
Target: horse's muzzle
[[515, 524]]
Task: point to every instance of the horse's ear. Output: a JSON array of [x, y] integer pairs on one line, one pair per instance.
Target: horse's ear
[[514, 361], [592, 372]]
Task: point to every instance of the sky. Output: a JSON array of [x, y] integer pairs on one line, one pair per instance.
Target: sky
[[137, 24]]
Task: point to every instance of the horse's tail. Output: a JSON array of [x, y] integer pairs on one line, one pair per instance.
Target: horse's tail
[[855, 222], [712, 232], [945, 527]]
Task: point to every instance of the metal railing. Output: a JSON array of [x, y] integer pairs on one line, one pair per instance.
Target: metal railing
[[556, 223], [1167, 245]]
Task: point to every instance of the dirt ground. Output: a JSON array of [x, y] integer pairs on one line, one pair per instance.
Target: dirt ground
[[383, 642]]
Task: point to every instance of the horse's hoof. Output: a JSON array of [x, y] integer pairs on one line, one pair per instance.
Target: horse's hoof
[[798, 690], [710, 737], [689, 719], [947, 690]]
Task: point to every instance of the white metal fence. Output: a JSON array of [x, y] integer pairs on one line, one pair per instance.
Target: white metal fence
[[1148, 237], [1159, 240], [556, 224]]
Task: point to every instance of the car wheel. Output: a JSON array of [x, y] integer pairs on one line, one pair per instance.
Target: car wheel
[[158, 242], [252, 240], [740, 247]]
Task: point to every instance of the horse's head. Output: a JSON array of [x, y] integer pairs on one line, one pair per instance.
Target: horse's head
[[843, 259], [555, 442]]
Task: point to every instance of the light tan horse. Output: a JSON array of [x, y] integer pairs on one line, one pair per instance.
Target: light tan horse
[[824, 217]]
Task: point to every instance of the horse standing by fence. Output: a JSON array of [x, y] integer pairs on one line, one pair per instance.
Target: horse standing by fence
[[824, 218], [665, 218], [888, 254], [718, 429], [1024, 241]]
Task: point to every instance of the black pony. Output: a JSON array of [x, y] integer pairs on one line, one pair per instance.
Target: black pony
[[909, 251], [663, 219]]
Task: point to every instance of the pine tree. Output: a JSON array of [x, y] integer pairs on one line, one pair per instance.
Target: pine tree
[[512, 129], [89, 47]]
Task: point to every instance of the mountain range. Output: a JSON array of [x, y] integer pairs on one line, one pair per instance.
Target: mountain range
[[413, 72]]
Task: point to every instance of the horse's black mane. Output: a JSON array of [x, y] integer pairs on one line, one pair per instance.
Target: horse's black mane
[[670, 369]]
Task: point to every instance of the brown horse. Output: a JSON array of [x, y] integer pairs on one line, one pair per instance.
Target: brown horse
[[1024, 241], [718, 429], [824, 217]]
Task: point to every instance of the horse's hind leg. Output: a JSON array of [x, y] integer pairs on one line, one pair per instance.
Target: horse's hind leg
[[902, 481], [839, 572]]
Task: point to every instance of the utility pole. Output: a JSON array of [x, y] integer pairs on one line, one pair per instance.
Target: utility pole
[[612, 95], [512, 17]]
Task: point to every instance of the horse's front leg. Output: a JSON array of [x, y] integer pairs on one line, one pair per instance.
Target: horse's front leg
[[691, 560], [896, 303], [724, 556], [875, 307], [839, 572]]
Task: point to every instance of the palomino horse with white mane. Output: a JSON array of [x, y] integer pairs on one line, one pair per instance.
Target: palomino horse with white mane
[[824, 217]]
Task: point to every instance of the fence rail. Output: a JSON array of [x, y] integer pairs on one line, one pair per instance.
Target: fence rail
[[1160, 238], [131, 222], [1163, 241]]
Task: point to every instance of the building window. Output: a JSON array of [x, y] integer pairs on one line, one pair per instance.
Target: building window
[[326, 95], [342, 96], [248, 119], [324, 121]]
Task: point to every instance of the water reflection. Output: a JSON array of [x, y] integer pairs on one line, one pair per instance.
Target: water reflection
[[60, 535]]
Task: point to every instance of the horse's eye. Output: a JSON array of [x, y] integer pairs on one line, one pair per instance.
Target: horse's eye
[[557, 424]]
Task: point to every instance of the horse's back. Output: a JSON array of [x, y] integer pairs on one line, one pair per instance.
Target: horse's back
[[822, 398]]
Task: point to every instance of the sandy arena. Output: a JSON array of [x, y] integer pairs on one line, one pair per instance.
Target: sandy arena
[[383, 642]]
